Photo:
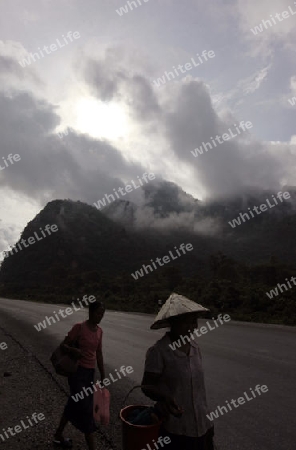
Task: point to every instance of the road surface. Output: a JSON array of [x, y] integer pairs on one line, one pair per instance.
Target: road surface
[[236, 357]]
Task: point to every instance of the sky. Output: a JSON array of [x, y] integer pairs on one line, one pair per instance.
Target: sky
[[97, 107]]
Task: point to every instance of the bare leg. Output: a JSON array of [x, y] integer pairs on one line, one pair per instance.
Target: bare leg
[[59, 433], [90, 440]]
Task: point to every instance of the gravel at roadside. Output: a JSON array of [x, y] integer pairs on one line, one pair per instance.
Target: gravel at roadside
[[27, 388]]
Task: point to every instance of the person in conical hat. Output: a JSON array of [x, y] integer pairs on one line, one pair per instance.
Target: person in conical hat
[[173, 376], [176, 305]]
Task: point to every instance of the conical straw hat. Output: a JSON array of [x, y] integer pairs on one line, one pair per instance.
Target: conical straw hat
[[175, 306]]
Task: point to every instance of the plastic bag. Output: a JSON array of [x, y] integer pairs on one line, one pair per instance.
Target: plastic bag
[[102, 406]]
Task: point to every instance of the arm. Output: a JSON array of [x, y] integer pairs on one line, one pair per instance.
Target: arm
[[100, 362], [100, 359], [151, 390], [154, 368], [149, 383]]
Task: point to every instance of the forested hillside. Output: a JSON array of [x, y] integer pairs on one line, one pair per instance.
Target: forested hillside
[[92, 254]]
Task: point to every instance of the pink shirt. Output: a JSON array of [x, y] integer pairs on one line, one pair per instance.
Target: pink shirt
[[90, 343]]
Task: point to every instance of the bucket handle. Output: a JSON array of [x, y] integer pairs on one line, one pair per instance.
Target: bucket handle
[[146, 386]]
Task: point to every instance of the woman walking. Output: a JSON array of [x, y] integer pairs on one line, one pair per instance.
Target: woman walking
[[79, 409], [173, 369]]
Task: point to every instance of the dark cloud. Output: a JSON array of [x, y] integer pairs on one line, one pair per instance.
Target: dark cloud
[[180, 115], [114, 78], [183, 114], [50, 167], [11, 70]]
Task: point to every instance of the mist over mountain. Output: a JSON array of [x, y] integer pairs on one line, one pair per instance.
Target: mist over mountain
[[98, 251], [167, 209]]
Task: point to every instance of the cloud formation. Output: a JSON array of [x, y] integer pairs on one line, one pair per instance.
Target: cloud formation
[[115, 63]]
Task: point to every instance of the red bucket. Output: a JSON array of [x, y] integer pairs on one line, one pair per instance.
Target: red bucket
[[136, 437]]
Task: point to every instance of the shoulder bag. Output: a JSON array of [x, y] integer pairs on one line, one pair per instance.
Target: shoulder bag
[[62, 362]]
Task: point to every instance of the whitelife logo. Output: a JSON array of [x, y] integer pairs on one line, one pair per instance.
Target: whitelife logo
[[225, 137], [61, 134], [127, 188], [274, 292], [166, 440], [166, 259], [19, 428], [106, 382], [130, 6], [31, 240], [9, 160], [263, 208], [279, 16], [3, 346], [68, 312], [53, 47], [204, 329], [241, 401], [168, 76]]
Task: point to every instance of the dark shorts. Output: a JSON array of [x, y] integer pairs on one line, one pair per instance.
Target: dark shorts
[[80, 412], [178, 442]]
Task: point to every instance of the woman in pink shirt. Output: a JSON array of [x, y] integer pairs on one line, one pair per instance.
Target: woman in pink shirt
[[79, 409]]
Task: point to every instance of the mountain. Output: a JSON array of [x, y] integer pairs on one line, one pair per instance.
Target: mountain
[[97, 252], [86, 240], [168, 211]]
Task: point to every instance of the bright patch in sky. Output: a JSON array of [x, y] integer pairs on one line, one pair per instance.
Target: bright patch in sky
[[101, 120]]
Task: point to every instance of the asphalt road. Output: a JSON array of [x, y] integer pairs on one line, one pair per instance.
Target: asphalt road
[[236, 357]]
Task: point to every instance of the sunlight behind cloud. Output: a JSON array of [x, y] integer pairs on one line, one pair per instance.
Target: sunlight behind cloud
[[100, 120]]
